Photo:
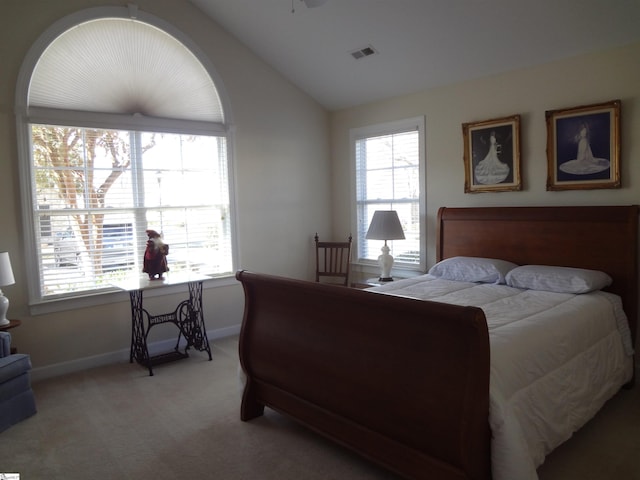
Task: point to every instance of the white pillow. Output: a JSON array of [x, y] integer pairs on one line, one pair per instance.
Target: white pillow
[[472, 269], [557, 279]]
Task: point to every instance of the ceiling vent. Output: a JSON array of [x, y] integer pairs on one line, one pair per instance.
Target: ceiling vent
[[364, 52]]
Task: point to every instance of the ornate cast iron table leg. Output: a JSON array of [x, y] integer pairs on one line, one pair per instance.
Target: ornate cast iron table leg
[[191, 320], [139, 351]]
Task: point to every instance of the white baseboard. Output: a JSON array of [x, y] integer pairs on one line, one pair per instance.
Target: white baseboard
[[119, 356]]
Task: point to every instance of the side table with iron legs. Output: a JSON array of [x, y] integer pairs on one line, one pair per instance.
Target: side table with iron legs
[[187, 317]]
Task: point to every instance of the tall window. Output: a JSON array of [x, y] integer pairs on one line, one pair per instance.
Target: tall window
[[389, 174], [140, 144]]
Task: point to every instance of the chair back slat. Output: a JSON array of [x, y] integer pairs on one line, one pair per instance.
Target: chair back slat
[[333, 261]]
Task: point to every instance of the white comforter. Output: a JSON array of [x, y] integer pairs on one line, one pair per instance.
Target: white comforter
[[555, 360]]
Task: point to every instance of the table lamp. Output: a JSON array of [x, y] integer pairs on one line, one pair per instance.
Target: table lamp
[[6, 278], [385, 225]]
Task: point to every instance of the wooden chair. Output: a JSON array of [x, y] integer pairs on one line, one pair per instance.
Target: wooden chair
[[333, 261]]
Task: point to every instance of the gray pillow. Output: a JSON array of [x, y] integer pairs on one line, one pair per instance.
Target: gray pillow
[[557, 279], [472, 269]]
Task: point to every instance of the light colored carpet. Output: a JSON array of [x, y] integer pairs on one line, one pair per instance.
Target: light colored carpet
[[117, 422]]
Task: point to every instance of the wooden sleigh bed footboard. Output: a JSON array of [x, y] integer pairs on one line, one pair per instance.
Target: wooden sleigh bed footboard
[[401, 381]]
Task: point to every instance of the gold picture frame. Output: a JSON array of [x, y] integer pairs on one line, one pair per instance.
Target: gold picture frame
[[492, 155], [583, 147]]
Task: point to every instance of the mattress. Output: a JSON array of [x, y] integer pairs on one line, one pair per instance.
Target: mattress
[[556, 358]]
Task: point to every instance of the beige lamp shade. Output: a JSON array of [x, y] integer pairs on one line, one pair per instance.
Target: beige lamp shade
[[6, 273], [385, 225]]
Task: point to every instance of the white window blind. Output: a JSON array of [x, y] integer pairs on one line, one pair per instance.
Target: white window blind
[[98, 191], [120, 65], [388, 172]]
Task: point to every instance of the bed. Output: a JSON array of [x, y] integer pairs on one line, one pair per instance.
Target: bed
[[418, 385]]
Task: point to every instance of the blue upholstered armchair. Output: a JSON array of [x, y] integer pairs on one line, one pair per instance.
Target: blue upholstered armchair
[[16, 396]]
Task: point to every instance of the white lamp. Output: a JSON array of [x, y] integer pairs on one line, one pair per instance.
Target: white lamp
[[6, 278], [385, 225]]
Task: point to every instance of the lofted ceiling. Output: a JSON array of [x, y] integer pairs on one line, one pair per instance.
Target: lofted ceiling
[[417, 44]]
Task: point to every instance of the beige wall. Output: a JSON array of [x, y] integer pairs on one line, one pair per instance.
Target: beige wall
[[283, 183], [564, 84]]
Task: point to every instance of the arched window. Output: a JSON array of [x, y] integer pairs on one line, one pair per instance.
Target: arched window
[[122, 127]]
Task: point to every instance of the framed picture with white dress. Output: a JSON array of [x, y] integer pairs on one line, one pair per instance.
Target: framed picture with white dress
[[583, 147], [492, 155]]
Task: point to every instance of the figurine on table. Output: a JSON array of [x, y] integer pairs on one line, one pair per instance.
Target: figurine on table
[[155, 256]]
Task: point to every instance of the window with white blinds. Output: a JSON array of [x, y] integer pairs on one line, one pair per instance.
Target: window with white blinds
[[389, 175], [98, 191], [121, 130]]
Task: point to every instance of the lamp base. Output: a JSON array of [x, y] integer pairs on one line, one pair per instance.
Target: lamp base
[[386, 262], [4, 306]]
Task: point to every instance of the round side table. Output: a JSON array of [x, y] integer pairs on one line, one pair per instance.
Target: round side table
[[10, 325]]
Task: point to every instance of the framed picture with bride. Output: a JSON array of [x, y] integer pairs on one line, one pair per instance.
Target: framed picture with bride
[[583, 147], [492, 155]]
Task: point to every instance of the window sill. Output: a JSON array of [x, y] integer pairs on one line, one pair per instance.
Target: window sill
[[115, 295]]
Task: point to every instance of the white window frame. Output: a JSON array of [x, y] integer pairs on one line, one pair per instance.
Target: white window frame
[[26, 116], [410, 124]]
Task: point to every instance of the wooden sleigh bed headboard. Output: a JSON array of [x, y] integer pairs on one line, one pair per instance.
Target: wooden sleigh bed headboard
[[405, 382], [599, 238]]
